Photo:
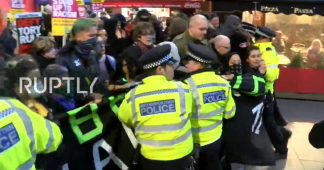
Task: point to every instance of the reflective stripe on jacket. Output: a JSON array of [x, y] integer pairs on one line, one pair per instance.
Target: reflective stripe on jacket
[[159, 110], [213, 101], [271, 60], [23, 135]]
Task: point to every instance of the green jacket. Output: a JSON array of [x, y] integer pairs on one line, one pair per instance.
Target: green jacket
[[182, 41]]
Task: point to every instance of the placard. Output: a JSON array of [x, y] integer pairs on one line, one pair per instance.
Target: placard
[[17, 7], [63, 17], [28, 29], [97, 5]]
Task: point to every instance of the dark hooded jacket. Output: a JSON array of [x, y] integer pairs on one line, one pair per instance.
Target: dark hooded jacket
[[114, 45], [85, 70], [231, 25]]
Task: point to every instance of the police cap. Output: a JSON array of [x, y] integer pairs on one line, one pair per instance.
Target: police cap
[[248, 28], [157, 56], [265, 32], [199, 53]]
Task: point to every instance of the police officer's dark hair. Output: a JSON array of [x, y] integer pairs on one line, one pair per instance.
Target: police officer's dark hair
[[152, 71]]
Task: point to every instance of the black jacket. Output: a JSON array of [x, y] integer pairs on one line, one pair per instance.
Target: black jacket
[[43, 62], [316, 135], [245, 138], [80, 69]]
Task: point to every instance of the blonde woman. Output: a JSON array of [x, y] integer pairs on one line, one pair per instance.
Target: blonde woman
[[315, 55]]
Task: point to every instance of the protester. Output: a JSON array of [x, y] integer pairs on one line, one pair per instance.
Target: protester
[[143, 35], [214, 20], [239, 43], [196, 33], [60, 98], [30, 90], [263, 36], [79, 57], [177, 26], [221, 46], [117, 39], [102, 34], [231, 25], [248, 30], [44, 52], [248, 87]]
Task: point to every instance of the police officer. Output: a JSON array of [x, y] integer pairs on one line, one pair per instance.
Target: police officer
[[263, 40], [158, 110], [249, 31], [212, 100], [23, 134]]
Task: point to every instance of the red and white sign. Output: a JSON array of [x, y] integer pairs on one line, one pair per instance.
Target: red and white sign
[[153, 4]]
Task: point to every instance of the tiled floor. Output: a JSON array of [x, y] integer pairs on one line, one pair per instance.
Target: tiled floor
[[301, 156]]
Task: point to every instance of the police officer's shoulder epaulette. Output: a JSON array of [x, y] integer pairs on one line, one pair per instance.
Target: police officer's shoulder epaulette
[[268, 49]]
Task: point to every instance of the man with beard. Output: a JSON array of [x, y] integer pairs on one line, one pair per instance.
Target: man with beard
[[196, 33]]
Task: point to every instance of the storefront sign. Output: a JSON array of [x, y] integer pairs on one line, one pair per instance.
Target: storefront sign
[[28, 29], [152, 4], [64, 14], [195, 5], [303, 11], [269, 9], [97, 5]]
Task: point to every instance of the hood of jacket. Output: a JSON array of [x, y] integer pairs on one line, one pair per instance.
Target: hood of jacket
[[231, 25]]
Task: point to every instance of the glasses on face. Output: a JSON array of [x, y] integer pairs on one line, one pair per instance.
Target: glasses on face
[[227, 48]]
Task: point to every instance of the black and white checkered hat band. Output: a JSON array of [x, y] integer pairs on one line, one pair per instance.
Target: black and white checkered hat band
[[197, 58], [157, 63], [262, 34]]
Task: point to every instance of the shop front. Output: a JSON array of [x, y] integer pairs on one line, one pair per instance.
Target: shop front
[[300, 34]]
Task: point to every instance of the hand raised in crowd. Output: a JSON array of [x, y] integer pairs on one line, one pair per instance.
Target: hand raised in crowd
[[262, 68], [228, 77], [97, 97]]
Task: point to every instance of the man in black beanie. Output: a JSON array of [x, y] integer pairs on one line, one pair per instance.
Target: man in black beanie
[[239, 43]]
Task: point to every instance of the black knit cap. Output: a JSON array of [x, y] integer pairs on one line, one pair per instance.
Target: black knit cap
[[239, 43]]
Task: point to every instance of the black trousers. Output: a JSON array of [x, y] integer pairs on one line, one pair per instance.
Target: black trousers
[[275, 134], [209, 156], [184, 163]]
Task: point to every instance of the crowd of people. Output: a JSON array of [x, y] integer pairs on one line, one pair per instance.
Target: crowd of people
[[198, 95]]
